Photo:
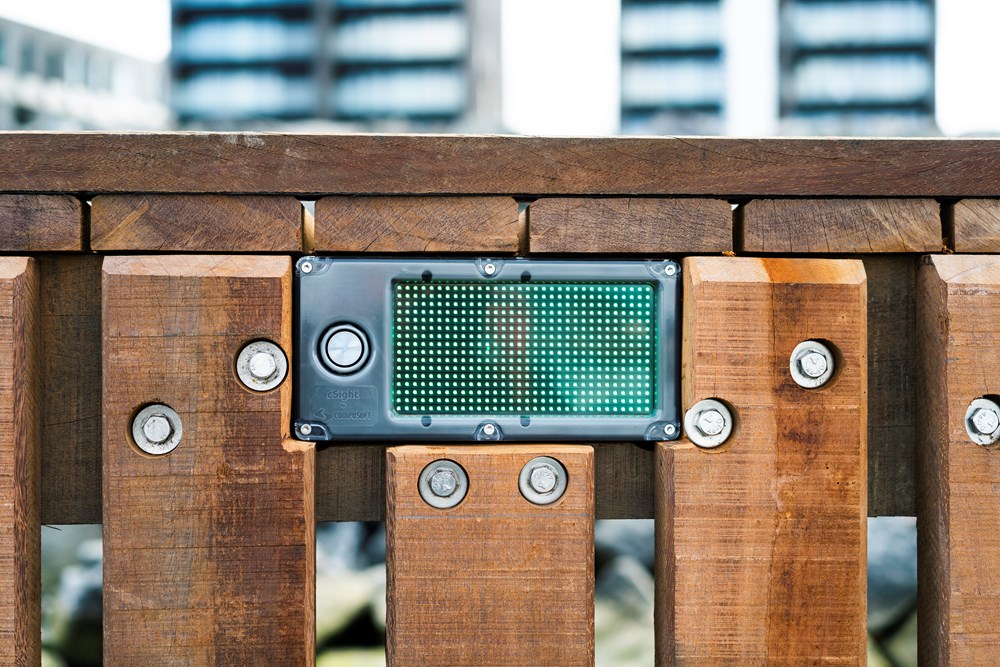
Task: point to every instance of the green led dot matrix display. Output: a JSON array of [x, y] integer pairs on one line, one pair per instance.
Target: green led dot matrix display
[[465, 347]]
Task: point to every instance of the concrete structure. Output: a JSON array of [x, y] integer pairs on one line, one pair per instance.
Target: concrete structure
[[371, 64], [52, 82]]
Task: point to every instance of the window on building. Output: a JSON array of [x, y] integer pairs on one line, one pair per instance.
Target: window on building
[[28, 64], [55, 62]]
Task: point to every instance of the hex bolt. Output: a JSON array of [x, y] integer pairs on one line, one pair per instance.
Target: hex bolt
[[543, 480], [982, 421], [261, 365], [443, 484], [811, 364], [156, 429], [708, 423]]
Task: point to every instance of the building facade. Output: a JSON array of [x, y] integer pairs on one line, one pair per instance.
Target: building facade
[[51, 82], [829, 67], [390, 64]]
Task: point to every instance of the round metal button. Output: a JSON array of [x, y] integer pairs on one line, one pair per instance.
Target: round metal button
[[345, 348]]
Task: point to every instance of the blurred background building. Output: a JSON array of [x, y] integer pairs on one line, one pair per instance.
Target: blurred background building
[[430, 65], [51, 82]]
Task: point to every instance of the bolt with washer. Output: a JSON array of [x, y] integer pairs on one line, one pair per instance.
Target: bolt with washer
[[708, 423], [543, 480], [982, 421], [443, 484], [811, 364], [261, 365], [156, 429]]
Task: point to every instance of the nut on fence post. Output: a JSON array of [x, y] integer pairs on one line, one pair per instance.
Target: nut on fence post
[[157, 429], [812, 364], [709, 423], [982, 421], [443, 484], [261, 365], [543, 480]]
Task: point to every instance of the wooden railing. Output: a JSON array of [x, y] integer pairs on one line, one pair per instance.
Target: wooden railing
[[137, 266]]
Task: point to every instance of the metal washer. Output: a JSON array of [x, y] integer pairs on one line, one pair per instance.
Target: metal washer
[[695, 435], [445, 502], [157, 448], [984, 439], [251, 381], [534, 497], [801, 350]]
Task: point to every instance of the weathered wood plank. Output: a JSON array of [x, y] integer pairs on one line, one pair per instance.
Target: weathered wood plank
[[196, 223], [495, 580], [20, 536], [630, 225], [321, 164], [761, 543], [417, 224], [892, 373], [958, 520], [841, 225], [40, 223], [70, 324], [976, 225], [209, 551]]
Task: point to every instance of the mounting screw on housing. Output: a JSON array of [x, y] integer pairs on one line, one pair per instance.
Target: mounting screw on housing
[[811, 364], [443, 484], [156, 429], [708, 423], [982, 421], [261, 365], [543, 480]]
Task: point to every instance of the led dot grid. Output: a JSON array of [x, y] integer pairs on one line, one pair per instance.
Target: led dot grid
[[523, 348]]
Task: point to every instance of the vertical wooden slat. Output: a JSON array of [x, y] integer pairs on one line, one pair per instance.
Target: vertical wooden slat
[[958, 481], [209, 551], [761, 542], [20, 541], [495, 580]]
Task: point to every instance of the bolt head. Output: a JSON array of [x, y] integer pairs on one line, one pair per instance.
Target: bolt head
[[710, 422], [305, 429], [306, 267], [670, 269], [985, 421], [490, 269], [157, 429], [543, 478], [443, 483], [813, 364], [489, 429], [262, 365]]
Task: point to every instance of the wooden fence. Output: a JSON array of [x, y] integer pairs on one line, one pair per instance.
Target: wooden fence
[[137, 266]]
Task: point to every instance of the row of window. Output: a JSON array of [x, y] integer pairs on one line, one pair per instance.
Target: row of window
[[342, 4], [430, 91], [379, 38]]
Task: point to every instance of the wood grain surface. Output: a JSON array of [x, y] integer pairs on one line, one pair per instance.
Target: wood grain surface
[[325, 164], [20, 536], [209, 551], [630, 225], [761, 543], [196, 223], [841, 225], [892, 384], [976, 225], [496, 580], [70, 334], [40, 223], [418, 224], [958, 520]]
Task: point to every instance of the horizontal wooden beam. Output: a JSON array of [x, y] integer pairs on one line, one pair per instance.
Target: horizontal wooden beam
[[312, 165]]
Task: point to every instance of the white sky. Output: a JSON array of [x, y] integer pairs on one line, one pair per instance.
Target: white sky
[[561, 57]]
